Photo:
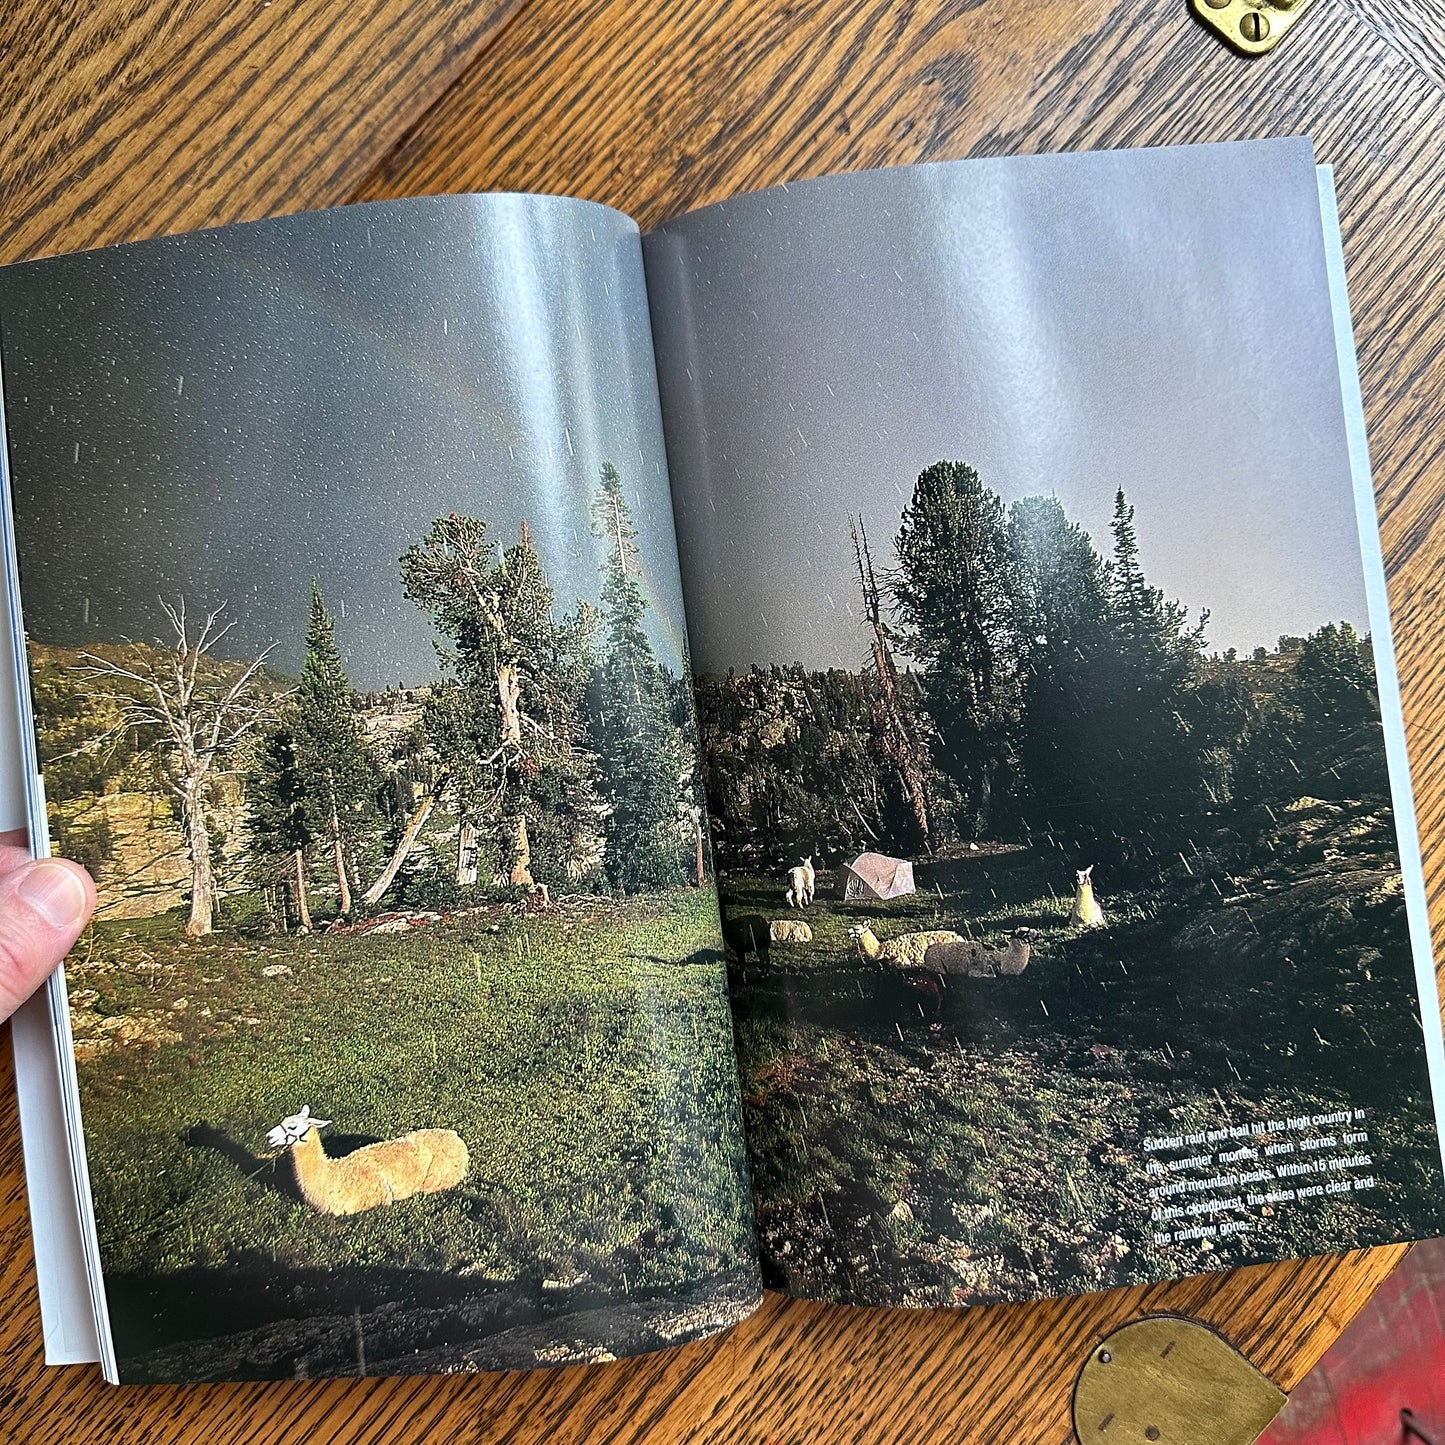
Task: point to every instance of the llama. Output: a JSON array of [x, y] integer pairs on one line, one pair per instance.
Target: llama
[[789, 930], [973, 960], [801, 883], [1087, 913], [906, 952], [747, 933], [425, 1161]]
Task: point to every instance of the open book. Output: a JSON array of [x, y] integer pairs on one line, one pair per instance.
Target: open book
[[847, 744]]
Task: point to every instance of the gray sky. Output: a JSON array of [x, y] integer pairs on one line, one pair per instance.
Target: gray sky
[[1156, 320], [228, 414]]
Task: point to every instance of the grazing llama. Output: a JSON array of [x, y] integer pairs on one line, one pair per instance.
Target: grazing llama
[[747, 933], [425, 1161], [801, 883], [1087, 913]]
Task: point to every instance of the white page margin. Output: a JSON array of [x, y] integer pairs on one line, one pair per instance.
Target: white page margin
[[1392, 711]]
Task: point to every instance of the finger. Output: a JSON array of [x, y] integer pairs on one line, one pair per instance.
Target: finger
[[43, 907], [14, 850]]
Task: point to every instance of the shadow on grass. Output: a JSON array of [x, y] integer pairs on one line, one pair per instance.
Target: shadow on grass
[[254, 1319], [271, 1171], [698, 958]]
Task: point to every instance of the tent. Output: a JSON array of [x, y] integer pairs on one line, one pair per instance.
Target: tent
[[875, 875]]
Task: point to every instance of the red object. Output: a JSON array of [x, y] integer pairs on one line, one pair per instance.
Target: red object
[[1390, 1359]]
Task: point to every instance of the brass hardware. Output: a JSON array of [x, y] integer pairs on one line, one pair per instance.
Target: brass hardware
[[1252, 26], [1170, 1380]]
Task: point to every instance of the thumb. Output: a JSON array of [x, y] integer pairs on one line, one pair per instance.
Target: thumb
[[43, 907]]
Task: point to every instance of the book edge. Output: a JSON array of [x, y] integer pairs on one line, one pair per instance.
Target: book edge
[[1392, 714]]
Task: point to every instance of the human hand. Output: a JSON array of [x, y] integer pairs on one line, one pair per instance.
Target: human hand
[[43, 907]]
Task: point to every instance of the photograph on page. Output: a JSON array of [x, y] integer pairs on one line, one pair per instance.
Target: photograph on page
[[1035, 677], [359, 674]]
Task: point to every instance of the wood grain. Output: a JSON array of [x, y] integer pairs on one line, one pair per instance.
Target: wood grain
[[656, 113], [122, 120]]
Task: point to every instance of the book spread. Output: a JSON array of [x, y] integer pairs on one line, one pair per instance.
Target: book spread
[[849, 744]]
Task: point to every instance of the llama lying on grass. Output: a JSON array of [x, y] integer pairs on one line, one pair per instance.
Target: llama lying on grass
[[802, 881], [425, 1161], [789, 930], [907, 951], [1086, 912], [972, 960]]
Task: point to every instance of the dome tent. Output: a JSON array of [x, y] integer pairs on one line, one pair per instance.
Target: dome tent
[[875, 875]]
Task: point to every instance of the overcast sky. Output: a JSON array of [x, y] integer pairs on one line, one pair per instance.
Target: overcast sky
[[227, 415], [1152, 320]]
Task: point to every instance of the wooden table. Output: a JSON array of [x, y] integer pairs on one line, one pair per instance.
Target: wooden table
[[129, 118]]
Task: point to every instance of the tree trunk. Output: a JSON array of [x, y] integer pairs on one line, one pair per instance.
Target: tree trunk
[[985, 799], [701, 868], [198, 843], [338, 857], [467, 850], [900, 744], [521, 874], [509, 690], [303, 909], [408, 841], [904, 748]]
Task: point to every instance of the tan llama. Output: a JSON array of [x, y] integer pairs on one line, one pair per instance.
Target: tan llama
[[789, 930], [973, 960], [425, 1161], [906, 951], [1087, 913]]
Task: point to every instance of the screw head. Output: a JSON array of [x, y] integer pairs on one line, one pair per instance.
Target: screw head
[[1254, 25], [1104, 1357], [1216, 4]]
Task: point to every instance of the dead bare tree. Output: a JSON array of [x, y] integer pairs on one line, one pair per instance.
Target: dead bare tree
[[198, 716], [901, 743]]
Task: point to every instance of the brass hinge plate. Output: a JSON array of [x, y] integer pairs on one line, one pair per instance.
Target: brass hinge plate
[[1172, 1381], [1253, 26]]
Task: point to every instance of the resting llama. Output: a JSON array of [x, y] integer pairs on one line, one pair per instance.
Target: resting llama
[[1087, 913], [973, 960], [789, 930], [801, 883], [425, 1161], [906, 952]]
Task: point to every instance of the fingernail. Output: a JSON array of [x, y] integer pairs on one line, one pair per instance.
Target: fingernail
[[54, 892]]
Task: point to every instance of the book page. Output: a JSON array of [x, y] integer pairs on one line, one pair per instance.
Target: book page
[[1067, 854], [356, 653]]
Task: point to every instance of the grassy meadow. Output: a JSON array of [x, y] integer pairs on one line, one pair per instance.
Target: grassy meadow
[[990, 1147], [584, 1055]]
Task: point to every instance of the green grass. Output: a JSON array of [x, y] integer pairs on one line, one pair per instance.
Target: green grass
[[585, 1058]]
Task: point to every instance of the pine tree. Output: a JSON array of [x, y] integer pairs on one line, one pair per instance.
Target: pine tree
[[1321, 733], [508, 724], [337, 767], [280, 834], [958, 593], [1155, 639], [640, 748], [1066, 590], [1149, 745]]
